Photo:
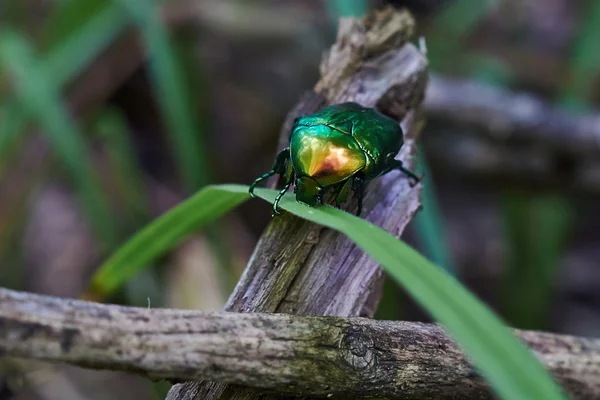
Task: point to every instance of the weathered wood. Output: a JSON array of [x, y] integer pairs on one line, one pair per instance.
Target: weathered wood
[[490, 133], [504, 115], [302, 268], [333, 357]]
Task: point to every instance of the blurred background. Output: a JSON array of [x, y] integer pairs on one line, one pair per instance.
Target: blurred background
[[113, 111]]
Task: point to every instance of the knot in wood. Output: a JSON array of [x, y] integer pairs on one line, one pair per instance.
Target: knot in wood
[[357, 348]]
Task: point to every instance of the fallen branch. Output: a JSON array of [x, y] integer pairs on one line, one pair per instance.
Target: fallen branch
[[517, 137], [512, 116], [287, 354]]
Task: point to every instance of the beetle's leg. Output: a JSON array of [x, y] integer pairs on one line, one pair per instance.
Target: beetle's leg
[[343, 191], [279, 196], [414, 179], [289, 178], [358, 188], [279, 167]]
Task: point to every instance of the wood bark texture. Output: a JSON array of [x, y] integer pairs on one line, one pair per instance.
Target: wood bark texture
[[504, 115], [330, 357], [495, 133], [302, 268]]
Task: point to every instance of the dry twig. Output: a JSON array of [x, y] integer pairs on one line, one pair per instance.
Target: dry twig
[[294, 355], [517, 136]]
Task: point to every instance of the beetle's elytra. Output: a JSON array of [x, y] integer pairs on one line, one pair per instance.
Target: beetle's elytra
[[340, 148]]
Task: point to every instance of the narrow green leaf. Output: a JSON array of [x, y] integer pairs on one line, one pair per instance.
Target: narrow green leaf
[[69, 57], [40, 96], [430, 222], [179, 105], [10, 125], [166, 232], [511, 369], [113, 131], [451, 25], [63, 62], [583, 64], [537, 228], [66, 18], [507, 364], [172, 93]]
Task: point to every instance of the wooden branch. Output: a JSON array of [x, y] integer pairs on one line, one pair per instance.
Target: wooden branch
[[333, 357], [516, 137], [302, 268], [512, 116]]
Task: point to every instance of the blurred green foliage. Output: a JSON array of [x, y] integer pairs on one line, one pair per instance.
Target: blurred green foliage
[[172, 92], [63, 60], [585, 59], [40, 96], [112, 130]]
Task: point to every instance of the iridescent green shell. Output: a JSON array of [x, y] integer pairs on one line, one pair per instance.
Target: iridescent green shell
[[340, 147], [340, 140]]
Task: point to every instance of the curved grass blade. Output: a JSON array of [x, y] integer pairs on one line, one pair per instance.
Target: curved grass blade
[[513, 372], [538, 226], [63, 62], [40, 95], [112, 129], [430, 222], [164, 233], [66, 59], [171, 64], [65, 18], [577, 93], [172, 92], [507, 364]]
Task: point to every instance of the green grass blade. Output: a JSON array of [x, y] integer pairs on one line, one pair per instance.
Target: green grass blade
[[66, 18], [40, 96], [537, 228], [538, 224], [164, 233], [174, 83], [67, 58], [171, 93], [430, 222], [583, 65], [452, 24], [63, 62], [10, 125], [511, 369], [506, 363], [113, 131]]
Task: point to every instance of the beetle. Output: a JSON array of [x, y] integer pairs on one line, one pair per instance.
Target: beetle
[[340, 147]]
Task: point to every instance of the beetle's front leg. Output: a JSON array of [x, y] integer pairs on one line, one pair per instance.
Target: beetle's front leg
[[279, 167], [413, 179], [289, 178]]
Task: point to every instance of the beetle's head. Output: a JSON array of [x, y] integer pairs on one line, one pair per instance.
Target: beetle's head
[[308, 191]]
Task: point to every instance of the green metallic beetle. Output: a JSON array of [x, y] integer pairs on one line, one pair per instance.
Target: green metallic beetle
[[340, 148]]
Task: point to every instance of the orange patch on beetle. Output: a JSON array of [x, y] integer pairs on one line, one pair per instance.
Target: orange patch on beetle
[[327, 158], [334, 162]]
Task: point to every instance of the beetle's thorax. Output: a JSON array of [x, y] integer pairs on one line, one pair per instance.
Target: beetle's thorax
[[326, 155]]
